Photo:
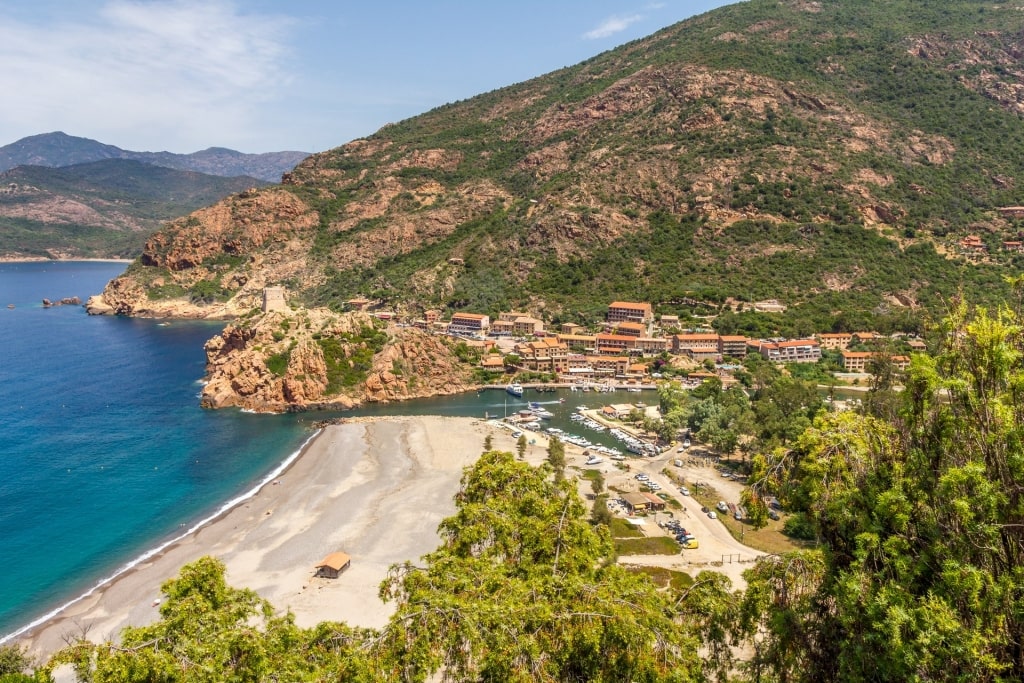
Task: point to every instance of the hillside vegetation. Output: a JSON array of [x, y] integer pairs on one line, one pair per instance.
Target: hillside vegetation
[[99, 209], [827, 154]]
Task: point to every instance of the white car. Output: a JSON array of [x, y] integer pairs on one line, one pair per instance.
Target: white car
[[642, 477], [683, 490], [712, 515], [722, 506]]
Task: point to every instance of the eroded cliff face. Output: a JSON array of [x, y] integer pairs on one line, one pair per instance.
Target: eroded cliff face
[[215, 263], [315, 359]]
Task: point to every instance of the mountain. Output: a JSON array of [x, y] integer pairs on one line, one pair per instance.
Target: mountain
[[59, 149], [99, 209], [830, 154]]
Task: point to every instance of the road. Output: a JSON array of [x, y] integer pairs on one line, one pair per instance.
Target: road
[[718, 549]]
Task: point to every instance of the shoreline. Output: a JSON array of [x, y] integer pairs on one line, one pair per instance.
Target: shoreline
[[161, 548], [375, 488]]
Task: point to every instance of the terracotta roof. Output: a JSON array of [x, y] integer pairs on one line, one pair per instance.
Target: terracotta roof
[[335, 561], [468, 316], [797, 342], [628, 304]]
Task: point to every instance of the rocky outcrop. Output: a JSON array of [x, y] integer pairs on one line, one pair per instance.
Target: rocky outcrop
[[278, 361], [66, 301]]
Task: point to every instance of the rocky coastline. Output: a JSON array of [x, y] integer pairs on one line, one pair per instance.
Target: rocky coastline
[[292, 360]]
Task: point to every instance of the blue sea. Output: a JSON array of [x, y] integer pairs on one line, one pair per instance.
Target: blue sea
[[105, 454], [104, 450]]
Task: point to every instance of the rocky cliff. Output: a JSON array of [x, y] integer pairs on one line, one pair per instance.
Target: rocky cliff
[[315, 359], [830, 155]]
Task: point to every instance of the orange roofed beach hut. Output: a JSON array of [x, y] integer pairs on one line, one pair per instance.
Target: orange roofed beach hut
[[332, 565]]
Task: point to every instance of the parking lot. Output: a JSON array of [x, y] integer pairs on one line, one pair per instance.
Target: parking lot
[[716, 548]]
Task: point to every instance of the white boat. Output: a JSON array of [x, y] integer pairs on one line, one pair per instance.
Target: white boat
[[515, 389]]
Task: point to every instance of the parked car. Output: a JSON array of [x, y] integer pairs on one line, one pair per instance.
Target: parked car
[[772, 514], [691, 544], [722, 506], [683, 490], [642, 477], [712, 515]]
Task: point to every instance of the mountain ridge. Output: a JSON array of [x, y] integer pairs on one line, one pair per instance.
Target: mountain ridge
[[99, 209], [58, 149], [827, 154]]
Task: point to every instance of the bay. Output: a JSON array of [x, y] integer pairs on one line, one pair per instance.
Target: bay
[[104, 450], [105, 453]]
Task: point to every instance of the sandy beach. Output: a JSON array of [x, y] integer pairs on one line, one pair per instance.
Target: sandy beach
[[373, 489]]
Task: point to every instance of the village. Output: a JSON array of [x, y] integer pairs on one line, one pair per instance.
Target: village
[[623, 352]]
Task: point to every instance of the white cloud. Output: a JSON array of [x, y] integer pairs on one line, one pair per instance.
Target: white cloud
[[188, 72], [612, 25]]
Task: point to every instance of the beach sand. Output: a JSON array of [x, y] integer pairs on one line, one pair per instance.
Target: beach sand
[[373, 489]]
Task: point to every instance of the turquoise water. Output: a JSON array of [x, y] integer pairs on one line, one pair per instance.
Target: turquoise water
[[105, 453], [104, 450]]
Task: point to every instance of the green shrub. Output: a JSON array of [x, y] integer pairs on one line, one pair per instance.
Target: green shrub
[[798, 526], [278, 363]]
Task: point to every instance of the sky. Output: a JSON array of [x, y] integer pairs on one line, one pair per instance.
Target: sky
[[270, 75]]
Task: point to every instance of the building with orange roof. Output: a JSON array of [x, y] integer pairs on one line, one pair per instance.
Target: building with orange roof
[[697, 346], [857, 361], [469, 323], [732, 345], [627, 311], [614, 343], [792, 351], [631, 329], [835, 341]]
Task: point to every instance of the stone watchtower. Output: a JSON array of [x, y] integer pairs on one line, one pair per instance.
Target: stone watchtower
[[273, 299]]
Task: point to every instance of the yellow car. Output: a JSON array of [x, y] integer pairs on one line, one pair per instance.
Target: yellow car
[[691, 544]]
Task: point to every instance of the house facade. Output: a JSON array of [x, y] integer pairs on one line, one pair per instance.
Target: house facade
[[469, 323], [627, 311]]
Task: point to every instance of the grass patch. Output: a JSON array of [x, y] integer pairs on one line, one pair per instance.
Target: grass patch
[[278, 363], [655, 545], [620, 528], [769, 539], [665, 578]]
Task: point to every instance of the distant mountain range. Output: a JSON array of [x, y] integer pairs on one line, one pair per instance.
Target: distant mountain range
[[59, 149], [100, 209], [63, 196]]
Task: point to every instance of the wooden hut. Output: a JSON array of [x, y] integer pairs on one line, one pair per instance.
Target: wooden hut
[[332, 565]]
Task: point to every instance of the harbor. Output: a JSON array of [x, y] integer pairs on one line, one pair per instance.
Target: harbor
[[574, 415]]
